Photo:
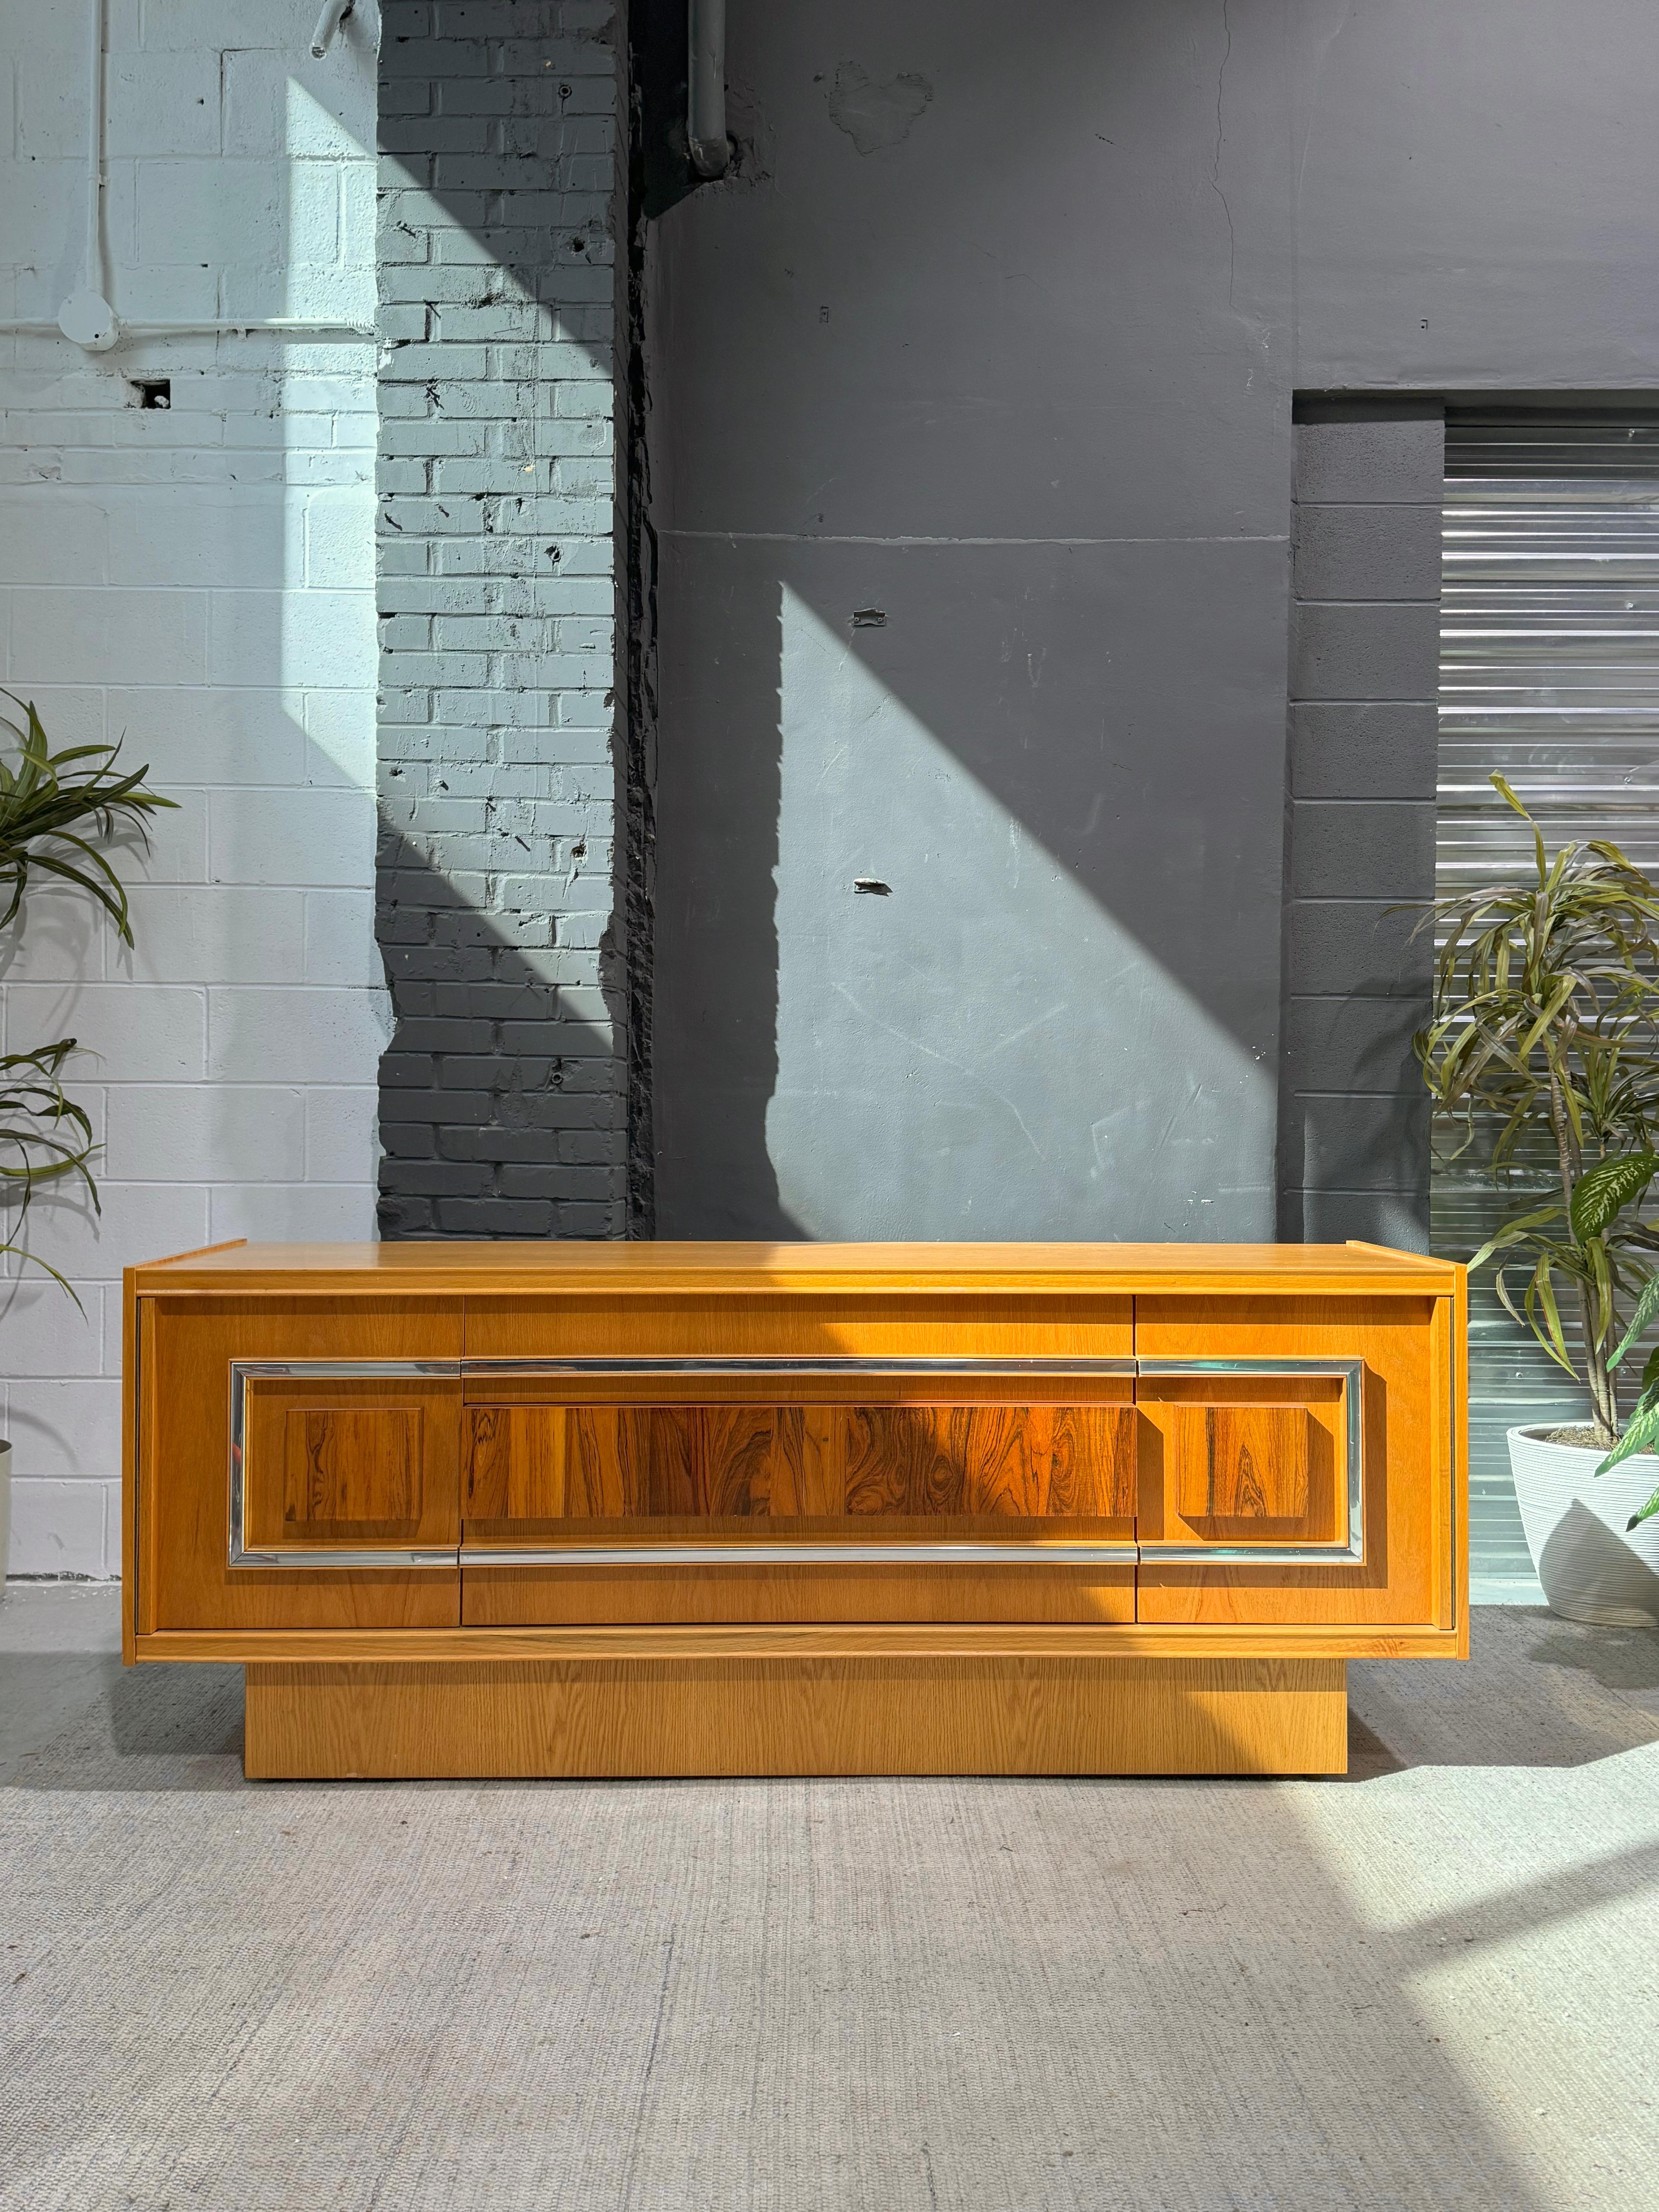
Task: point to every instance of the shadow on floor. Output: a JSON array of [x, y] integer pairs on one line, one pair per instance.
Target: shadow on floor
[[77, 1720], [1535, 1691]]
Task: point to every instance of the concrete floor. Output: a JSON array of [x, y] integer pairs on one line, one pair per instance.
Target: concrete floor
[[1433, 1985]]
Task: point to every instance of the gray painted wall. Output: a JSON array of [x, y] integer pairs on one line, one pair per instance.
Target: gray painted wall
[[970, 420], [1353, 1145]]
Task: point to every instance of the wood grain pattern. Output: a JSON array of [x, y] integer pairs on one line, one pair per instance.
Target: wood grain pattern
[[751, 1461], [506, 1597], [129, 1466], [812, 1717], [447, 1268], [667, 1316], [513, 1463], [1408, 1462], [345, 1468], [1450, 1382], [850, 1639], [186, 1346], [1000, 1464], [1243, 1462]]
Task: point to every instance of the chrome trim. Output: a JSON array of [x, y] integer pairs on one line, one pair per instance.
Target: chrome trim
[[380, 1557], [1014, 1364], [1350, 1554], [362, 1370], [763, 1554], [238, 1554], [1350, 1371]]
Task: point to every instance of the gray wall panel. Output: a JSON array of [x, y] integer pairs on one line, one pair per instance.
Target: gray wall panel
[[1058, 307], [1363, 748], [1365, 632], [991, 1045]]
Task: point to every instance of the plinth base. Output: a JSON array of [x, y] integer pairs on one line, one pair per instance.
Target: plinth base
[[484, 1719]]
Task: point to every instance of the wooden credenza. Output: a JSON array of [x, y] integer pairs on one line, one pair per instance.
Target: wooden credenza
[[726, 1508]]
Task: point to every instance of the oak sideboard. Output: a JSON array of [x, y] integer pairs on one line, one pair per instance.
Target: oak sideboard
[[654, 1509]]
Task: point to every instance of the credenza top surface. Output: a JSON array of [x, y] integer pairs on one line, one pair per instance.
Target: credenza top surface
[[443, 1268]]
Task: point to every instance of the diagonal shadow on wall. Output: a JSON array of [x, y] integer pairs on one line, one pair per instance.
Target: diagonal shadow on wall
[[503, 1091]]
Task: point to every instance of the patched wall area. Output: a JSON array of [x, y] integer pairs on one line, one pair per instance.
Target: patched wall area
[[188, 551]]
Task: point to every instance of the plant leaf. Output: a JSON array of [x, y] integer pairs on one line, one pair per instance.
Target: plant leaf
[[1647, 1306], [1641, 1430], [1602, 1192]]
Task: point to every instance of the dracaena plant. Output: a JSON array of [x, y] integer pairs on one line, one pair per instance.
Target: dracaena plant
[[56, 810], [1546, 1022]]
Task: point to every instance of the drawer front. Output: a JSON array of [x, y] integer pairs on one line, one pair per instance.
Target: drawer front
[[277, 1487], [1264, 1466], [1297, 1461], [343, 1470], [711, 1494], [833, 1466]]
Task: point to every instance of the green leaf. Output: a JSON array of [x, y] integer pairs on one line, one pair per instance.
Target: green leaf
[[1602, 1192], [1513, 1232], [1646, 1512], [1642, 1319], [1640, 1432], [1543, 1289]]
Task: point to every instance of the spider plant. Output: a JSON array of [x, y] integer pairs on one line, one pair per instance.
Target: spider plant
[[56, 809], [1546, 1007]]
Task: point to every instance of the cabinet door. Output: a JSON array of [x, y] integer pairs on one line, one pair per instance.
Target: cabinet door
[[277, 1488], [342, 1470], [1252, 1463], [1297, 1460], [879, 1498]]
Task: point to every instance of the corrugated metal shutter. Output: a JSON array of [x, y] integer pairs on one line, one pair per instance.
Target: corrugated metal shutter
[[1550, 673]]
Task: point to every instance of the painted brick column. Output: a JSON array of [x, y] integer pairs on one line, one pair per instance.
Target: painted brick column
[[1353, 1142], [503, 1094]]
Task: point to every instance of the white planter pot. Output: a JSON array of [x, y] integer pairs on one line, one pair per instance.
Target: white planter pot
[[1589, 1567], [5, 1512]]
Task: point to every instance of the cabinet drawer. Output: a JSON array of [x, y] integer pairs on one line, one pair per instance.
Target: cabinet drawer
[[342, 1470], [844, 1465], [721, 1495], [1257, 1464], [1273, 1493], [298, 1463]]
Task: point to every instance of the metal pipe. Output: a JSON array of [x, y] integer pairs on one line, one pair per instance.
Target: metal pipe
[[85, 316], [705, 87], [94, 268], [246, 326], [335, 13]]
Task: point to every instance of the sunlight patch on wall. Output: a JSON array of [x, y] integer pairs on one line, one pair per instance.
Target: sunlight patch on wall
[[927, 1044]]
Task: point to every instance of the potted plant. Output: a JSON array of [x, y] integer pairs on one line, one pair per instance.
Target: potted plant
[[1543, 1041], [55, 809]]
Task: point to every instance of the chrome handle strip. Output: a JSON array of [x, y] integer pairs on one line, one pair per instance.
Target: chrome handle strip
[[1013, 1365], [764, 1554], [379, 1557], [334, 1371], [1249, 1555], [1349, 1371]]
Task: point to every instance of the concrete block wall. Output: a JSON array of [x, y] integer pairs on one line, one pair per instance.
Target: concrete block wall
[[196, 579], [504, 1095], [1353, 1145]]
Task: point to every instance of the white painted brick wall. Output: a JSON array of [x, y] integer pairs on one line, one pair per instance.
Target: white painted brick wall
[[505, 1107], [199, 582]]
